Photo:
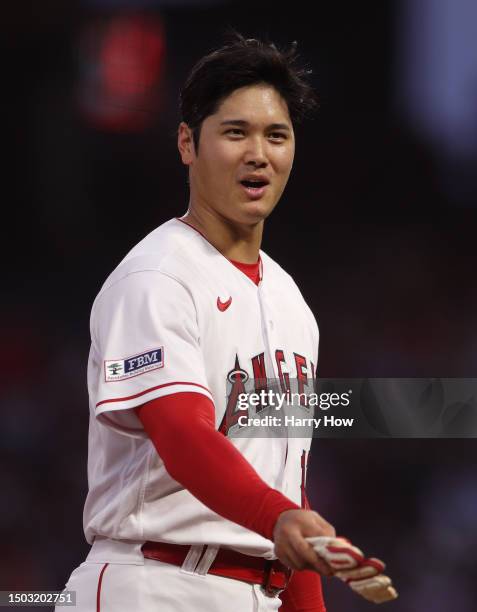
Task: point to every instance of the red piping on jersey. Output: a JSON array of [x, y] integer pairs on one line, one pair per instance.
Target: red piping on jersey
[[198, 231], [98, 592], [129, 397], [229, 260]]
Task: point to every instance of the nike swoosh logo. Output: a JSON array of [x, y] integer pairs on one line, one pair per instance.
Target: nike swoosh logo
[[222, 306]]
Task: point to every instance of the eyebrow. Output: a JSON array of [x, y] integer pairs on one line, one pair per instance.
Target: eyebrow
[[243, 123]]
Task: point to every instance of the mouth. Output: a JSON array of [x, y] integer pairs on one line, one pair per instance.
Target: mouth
[[255, 189]]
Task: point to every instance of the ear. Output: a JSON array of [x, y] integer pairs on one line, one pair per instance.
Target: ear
[[185, 144]]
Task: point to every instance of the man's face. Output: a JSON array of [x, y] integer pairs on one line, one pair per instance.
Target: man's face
[[245, 155]]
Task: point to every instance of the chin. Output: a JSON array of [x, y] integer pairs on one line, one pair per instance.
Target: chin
[[257, 211], [248, 212], [251, 217]]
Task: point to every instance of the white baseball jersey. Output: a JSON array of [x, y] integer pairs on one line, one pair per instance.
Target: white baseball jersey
[[176, 316]]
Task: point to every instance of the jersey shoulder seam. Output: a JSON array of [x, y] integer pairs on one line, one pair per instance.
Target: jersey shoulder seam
[[104, 290], [130, 273]]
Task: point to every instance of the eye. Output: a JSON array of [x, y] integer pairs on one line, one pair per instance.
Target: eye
[[278, 136], [234, 132]]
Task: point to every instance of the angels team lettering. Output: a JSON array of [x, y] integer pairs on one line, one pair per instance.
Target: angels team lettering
[[238, 376]]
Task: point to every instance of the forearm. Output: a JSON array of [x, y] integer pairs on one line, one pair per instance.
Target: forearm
[[212, 469]]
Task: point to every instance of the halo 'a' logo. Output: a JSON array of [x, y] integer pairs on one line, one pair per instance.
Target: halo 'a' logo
[[237, 378], [237, 374]]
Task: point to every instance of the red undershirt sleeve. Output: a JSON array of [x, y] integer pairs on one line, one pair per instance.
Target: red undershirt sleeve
[[303, 593], [218, 474]]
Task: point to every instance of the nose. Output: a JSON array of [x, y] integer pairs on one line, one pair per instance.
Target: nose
[[255, 154]]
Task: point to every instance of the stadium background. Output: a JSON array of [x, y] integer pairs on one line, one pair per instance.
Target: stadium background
[[377, 226]]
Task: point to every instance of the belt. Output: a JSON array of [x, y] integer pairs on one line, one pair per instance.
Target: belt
[[273, 576]]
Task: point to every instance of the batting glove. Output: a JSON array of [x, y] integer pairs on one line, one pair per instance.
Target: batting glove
[[368, 581], [339, 553], [363, 575]]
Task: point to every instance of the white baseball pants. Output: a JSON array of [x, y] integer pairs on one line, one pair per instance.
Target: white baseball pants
[[153, 586]]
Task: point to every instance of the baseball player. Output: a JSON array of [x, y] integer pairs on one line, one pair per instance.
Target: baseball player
[[181, 515]]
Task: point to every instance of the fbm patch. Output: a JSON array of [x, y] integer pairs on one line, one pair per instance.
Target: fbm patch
[[120, 369]]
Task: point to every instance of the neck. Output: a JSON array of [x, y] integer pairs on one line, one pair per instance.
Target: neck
[[235, 241]]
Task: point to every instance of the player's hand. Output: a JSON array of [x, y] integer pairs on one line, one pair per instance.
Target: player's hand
[[291, 547]]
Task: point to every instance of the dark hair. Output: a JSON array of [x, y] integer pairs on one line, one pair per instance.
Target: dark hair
[[242, 62]]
